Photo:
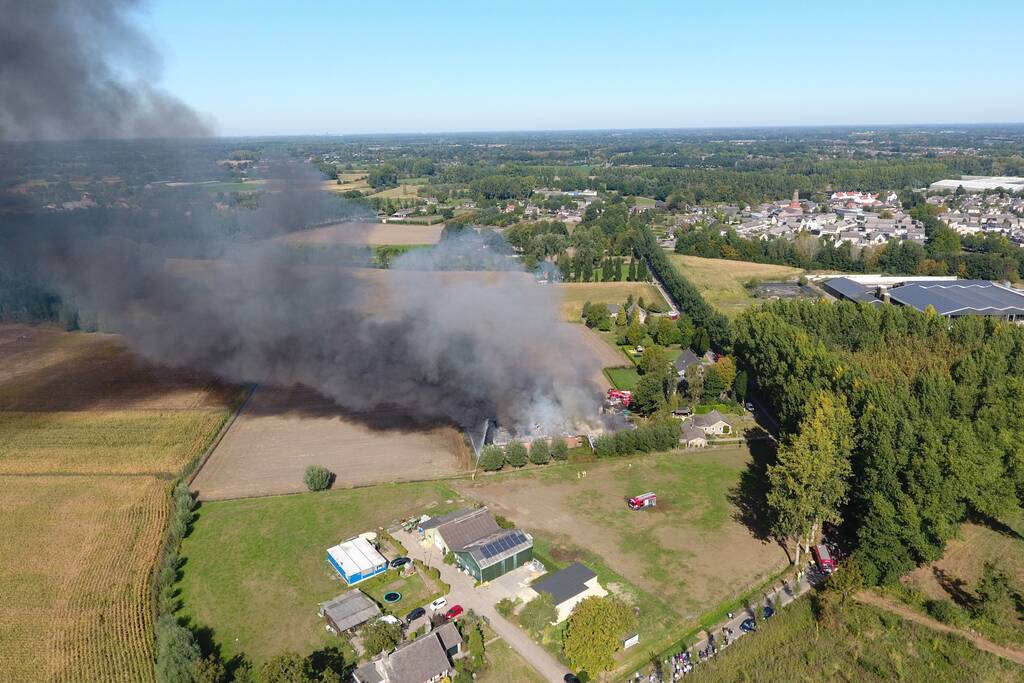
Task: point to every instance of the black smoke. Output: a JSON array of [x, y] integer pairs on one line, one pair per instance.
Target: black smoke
[[456, 333], [81, 69]]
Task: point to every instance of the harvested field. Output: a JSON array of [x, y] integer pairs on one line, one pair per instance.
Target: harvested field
[[281, 432], [75, 580], [606, 354], [90, 439], [47, 369], [372, 234], [721, 281], [689, 551], [575, 294]]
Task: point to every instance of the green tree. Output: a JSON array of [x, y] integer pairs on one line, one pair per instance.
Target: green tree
[[810, 479], [515, 454], [288, 667], [177, 654], [652, 361], [492, 458], [667, 332], [694, 379], [714, 385], [540, 452], [701, 341], [994, 593], [686, 331], [476, 647], [539, 613], [210, 669], [648, 395], [594, 633], [739, 386], [379, 636], [635, 332], [317, 478], [560, 450]]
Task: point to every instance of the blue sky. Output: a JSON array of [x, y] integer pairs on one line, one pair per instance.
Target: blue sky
[[269, 67]]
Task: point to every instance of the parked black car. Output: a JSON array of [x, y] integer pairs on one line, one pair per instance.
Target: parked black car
[[748, 626], [415, 614], [571, 678], [399, 561]]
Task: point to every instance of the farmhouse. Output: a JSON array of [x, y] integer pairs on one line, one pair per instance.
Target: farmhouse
[[356, 560], [348, 611], [692, 436], [423, 660], [569, 587], [712, 424], [481, 547]]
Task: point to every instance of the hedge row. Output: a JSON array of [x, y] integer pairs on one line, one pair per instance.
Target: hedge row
[[663, 436], [682, 291]]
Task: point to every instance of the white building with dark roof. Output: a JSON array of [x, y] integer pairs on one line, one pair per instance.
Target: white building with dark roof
[[426, 659], [568, 587]]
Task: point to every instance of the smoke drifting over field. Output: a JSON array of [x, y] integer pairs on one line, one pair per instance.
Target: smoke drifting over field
[[440, 345], [80, 69], [185, 290]]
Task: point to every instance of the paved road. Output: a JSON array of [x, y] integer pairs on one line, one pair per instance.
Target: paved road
[[482, 601]]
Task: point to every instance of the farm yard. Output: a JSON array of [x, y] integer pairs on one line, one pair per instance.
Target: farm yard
[[255, 570], [676, 561], [280, 432], [575, 294], [371, 234], [90, 438], [721, 281]]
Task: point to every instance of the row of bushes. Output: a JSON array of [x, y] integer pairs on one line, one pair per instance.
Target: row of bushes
[[683, 292], [661, 436], [493, 458]]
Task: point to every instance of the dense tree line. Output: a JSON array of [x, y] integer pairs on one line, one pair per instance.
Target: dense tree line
[[937, 414], [682, 291]]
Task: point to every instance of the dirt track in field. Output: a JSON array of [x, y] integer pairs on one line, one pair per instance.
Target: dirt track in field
[[280, 432]]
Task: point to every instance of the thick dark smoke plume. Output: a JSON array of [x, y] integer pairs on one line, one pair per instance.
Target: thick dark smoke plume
[[184, 291], [438, 344], [80, 69]]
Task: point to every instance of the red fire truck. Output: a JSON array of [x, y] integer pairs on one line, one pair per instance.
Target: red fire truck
[[644, 500], [619, 397]]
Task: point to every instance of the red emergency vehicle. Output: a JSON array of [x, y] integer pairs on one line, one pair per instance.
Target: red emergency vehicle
[[644, 500]]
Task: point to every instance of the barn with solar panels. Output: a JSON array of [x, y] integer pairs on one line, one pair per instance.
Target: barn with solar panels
[[479, 544], [496, 554]]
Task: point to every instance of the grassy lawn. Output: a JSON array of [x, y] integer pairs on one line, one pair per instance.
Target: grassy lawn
[[255, 570], [417, 590], [575, 294], [721, 281], [506, 666], [622, 378], [866, 645]]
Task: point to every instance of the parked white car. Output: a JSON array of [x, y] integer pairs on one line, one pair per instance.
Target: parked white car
[[438, 604]]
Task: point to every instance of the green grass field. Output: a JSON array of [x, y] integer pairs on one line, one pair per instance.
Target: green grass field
[[506, 666], [248, 186], [867, 645], [622, 378], [255, 570], [721, 281]]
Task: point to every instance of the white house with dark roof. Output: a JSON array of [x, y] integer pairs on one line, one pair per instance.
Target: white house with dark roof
[[568, 587], [692, 436], [712, 424]]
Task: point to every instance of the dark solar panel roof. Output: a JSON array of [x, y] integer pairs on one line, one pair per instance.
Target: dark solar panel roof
[[850, 289], [963, 297], [498, 546]]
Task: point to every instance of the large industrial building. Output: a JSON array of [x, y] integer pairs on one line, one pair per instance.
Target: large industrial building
[[980, 183], [948, 296]]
